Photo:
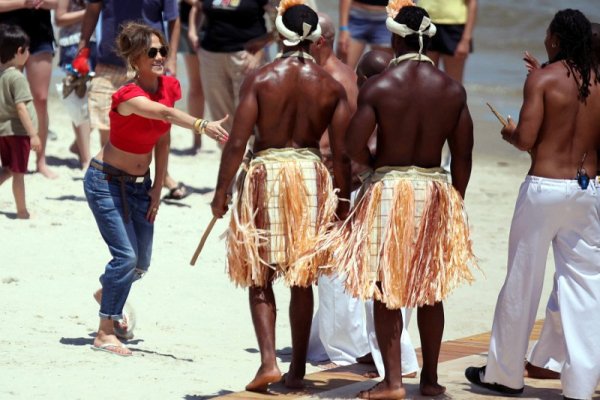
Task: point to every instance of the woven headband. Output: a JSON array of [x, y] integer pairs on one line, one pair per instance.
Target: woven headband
[[426, 28], [292, 38]]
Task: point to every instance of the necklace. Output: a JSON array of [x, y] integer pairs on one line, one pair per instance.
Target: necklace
[[299, 53], [411, 57]]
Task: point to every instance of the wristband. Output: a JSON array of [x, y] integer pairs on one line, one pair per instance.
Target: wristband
[[197, 124], [344, 28], [203, 126]]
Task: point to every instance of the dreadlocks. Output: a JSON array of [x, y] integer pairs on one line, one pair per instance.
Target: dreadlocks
[[574, 32]]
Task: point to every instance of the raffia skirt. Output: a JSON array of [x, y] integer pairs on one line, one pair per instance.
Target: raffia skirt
[[284, 208], [409, 233]]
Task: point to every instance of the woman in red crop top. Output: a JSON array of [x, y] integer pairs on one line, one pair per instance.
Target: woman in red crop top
[[117, 184]]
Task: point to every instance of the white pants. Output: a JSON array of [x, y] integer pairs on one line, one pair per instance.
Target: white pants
[[557, 212], [549, 351], [343, 329]]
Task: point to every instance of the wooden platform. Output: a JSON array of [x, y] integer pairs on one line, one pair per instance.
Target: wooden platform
[[455, 356]]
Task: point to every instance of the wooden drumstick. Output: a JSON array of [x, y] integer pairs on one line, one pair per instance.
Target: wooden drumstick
[[209, 228], [497, 114], [203, 240]]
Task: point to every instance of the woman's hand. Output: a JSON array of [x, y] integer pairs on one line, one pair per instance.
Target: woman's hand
[[251, 61], [216, 131], [154, 194]]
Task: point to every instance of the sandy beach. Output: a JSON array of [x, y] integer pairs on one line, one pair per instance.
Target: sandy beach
[[194, 336]]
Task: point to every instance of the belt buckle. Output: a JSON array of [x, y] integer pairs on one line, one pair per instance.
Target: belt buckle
[[139, 179]]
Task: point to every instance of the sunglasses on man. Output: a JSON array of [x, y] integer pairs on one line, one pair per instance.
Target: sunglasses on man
[[153, 51]]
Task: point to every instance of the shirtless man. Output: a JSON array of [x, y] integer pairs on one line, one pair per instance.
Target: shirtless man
[[291, 101], [548, 354], [560, 125], [403, 117]]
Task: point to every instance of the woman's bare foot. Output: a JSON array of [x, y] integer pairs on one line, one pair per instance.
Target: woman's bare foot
[[535, 372], [431, 389], [23, 214], [263, 378], [382, 391], [47, 172], [107, 341]]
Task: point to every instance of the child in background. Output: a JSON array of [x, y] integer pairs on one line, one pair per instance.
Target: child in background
[[73, 89], [18, 124]]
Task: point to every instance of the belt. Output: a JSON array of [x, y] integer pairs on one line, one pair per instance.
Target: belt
[[114, 174]]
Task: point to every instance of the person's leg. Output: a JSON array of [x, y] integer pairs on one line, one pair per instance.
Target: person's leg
[[301, 310], [454, 67], [18, 187], [82, 141], [430, 320], [548, 354], [531, 232], [264, 313], [195, 95], [577, 261], [105, 201], [5, 174], [355, 50], [217, 85], [39, 71], [388, 328]]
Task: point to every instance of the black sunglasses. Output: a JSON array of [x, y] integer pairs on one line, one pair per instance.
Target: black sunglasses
[[153, 51]]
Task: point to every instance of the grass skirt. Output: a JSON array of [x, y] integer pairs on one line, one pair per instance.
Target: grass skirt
[[408, 232], [284, 208]]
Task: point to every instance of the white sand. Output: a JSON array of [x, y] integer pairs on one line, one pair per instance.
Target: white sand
[[194, 337]]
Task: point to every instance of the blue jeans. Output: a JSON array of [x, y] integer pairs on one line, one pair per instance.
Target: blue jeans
[[129, 243]]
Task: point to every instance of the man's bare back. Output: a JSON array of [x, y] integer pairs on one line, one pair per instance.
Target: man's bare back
[[297, 99], [417, 108], [558, 129]]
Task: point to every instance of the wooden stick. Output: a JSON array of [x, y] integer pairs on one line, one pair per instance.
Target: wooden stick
[[497, 114], [203, 240], [209, 228]]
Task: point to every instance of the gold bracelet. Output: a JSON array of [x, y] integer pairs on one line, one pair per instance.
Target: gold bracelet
[[197, 124], [203, 126]]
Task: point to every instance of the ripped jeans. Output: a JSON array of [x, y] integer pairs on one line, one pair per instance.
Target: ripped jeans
[[129, 243]]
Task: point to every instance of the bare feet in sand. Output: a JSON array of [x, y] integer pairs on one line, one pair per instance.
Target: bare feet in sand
[[382, 391], [23, 214], [431, 389], [293, 382], [47, 172], [263, 378], [532, 371]]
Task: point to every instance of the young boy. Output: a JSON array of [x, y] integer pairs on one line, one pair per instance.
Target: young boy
[[18, 132]]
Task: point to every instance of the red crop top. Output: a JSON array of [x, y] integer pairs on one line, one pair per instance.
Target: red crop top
[[134, 133]]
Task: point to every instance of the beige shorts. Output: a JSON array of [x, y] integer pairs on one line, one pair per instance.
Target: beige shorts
[[107, 80]]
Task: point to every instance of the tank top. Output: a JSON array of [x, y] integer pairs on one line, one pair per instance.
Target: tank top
[[449, 12]]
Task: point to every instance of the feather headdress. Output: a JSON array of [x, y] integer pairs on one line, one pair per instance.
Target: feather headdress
[[394, 7]]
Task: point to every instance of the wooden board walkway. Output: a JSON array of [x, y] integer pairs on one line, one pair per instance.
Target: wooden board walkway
[[331, 379]]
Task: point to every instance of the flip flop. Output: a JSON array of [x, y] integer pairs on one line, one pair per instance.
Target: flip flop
[[112, 349], [173, 195]]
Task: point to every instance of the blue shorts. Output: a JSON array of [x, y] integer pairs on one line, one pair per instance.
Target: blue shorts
[[369, 27], [41, 47]]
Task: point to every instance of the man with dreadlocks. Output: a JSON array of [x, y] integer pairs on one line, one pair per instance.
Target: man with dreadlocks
[[557, 204], [408, 244], [285, 203]]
